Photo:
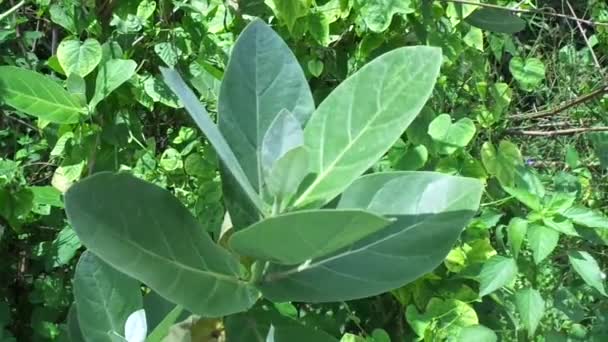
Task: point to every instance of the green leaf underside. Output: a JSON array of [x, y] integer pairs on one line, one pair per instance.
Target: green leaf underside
[[364, 116], [105, 298], [295, 237], [263, 77], [201, 117], [496, 20], [430, 210], [38, 95], [152, 237]]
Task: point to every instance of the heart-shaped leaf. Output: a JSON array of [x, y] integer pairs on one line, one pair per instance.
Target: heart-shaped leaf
[[501, 163], [38, 95], [496, 20], [430, 210], [293, 238], [364, 116], [450, 135], [529, 72], [145, 232], [104, 297], [378, 14], [79, 58]]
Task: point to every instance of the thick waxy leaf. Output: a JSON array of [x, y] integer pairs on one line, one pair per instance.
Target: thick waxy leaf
[[516, 233], [287, 174], [364, 116], [201, 117], [295, 237], [587, 217], [496, 20], [497, 272], [430, 210], [284, 134], [145, 232], [542, 241], [79, 58], [110, 76], [256, 325], [531, 308], [104, 297], [38, 95], [585, 265], [263, 77], [74, 331]]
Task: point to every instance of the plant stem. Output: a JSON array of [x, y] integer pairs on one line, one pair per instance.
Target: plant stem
[[568, 131], [527, 11], [12, 10]]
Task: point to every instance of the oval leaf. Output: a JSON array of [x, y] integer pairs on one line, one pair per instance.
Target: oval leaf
[[531, 308], [145, 232], [497, 272], [110, 76], [104, 298], [496, 20], [79, 58], [38, 95], [586, 266], [430, 215], [364, 116], [295, 237]]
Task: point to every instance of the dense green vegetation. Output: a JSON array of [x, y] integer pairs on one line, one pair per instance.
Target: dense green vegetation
[[216, 230]]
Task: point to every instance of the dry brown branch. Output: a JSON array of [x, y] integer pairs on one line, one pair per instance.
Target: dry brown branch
[[568, 131]]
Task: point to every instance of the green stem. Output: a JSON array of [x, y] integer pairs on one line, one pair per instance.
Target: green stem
[[12, 10]]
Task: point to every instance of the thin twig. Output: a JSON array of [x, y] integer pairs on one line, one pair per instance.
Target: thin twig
[[580, 28], [568, 131], [564, 106], [528, 11], [12, 10]]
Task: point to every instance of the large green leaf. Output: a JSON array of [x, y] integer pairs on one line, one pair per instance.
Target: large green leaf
[[262, 78], [145, 232], [77, 57], [542, 241], [74, 331], [585, 265], [496, 272], [378, 14], [289, 10], [586, 217], [531, 308], [364, 116], [287, 174], [430, 210], [256, 325], [284, 134], [295, 237], [201, 117], [110, 76], [38, 95], [496, 20], [104, 298], [529, 73]]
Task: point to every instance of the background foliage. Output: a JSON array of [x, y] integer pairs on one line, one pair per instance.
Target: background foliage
[[519, 104]]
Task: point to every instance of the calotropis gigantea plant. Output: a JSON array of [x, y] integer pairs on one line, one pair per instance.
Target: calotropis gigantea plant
[[283, 161]]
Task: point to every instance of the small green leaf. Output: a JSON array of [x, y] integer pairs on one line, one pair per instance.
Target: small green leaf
[[318, 25], [289, 11], [79, 58], [287, 174], [378, 14], [150, 235], [516, 231], [496, 20], [315, 67], [531, 307], [38, 95], [586, 217], [529, 73], [414, 158], [542, 241], [497, 272], [451, 135], [572, 157], [560, 224], [293, 238], [283, 135], [477, 333], [110, 76], [343, 135], [501, 163], [585, 265], [104, 297]]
